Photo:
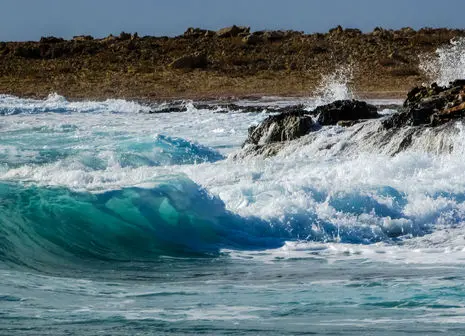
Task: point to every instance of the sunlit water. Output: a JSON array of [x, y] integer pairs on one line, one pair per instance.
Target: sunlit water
[[115, 221]]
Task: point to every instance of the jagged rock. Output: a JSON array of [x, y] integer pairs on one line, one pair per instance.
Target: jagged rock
[[233, 31], [282, 127], [81, 38], [124, 36], [337, 30], [294, 122], [51, 39], [431, 106], [197, 32], [192, 61], [345, 110]]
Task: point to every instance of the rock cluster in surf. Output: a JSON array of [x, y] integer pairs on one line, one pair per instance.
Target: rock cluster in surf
[[427, 110], [430, 106], [268, 137]]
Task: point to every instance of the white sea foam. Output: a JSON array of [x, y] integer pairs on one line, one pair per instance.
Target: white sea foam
[[308, 182], [56, 103]]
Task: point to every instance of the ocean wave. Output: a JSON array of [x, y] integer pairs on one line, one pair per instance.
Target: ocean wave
[[52, 227], [159, 150], [56, 226], [54, 103]]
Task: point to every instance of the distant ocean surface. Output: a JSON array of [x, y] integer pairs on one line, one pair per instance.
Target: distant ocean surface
[[114, 221]]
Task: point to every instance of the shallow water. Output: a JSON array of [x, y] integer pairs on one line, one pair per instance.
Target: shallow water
[[114, 221]]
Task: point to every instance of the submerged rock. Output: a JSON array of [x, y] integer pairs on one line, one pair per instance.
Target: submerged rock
[[431, 106]]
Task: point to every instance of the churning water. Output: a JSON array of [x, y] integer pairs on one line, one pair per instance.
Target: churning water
[[115, 221]]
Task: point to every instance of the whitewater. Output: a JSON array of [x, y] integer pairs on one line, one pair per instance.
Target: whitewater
[[118, 221]]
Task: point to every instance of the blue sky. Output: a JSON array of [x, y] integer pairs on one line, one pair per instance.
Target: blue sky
[[31, 19]]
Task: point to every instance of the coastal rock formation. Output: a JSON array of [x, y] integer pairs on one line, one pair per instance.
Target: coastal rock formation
[[268, 137], [345, 110], [51, 39], [198, 32], [240, 63], [233, 31], [82, 38], [282, 127], [431, 106]]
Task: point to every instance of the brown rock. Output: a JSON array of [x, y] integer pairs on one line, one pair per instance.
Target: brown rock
[[252, 39], [81, 38], [233, 31], [197, 32]]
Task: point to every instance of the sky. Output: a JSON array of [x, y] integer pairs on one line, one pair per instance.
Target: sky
[[30, 19]]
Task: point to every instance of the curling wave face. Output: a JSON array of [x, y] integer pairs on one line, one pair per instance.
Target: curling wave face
[[111, 186]]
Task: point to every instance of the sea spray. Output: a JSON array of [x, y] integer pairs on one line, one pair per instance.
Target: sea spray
[[335, 86], [447, 64]]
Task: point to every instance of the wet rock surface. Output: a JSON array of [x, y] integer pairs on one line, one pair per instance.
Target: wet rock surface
[[431, 106], [295, 122], [282, 127], [345, 110]]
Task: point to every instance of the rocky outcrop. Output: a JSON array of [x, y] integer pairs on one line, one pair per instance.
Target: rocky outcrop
[[198, 32], [431, 106], [51, 39], [282, 127], [192, 61], [345, 110], [233, 31], [295, 122], [82, 38], [243, 63]]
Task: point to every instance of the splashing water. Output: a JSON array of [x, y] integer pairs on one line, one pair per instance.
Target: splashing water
[[137, 223], [335, 86], [447, 65]]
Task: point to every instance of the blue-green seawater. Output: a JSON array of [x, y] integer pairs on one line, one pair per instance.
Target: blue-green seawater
[[114, 221]]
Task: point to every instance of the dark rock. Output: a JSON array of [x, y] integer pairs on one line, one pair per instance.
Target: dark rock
[[192, 61], [233, 31], [282, 127], [345, 110], [253, 39], [347, 123], [337, 30], [197, 32], [124, 36], [431, 106], [51, 39]]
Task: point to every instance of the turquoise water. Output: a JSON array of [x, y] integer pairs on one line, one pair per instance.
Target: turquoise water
[[114, 221]]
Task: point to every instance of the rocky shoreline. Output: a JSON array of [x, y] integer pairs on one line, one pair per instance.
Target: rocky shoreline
[[428, 111], [229, 63]]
